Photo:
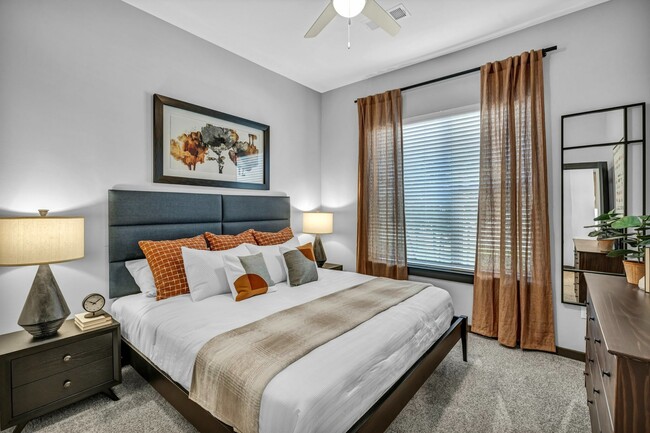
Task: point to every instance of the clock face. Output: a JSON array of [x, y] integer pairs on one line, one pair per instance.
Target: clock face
[[93, 302]]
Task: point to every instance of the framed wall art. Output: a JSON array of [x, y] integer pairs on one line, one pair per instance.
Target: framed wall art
[[195, 145]]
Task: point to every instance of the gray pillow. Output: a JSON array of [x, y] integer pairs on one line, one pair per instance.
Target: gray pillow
[[300, 264]]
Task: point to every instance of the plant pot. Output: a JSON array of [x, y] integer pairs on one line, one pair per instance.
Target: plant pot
[[633, 271], [606, 244]]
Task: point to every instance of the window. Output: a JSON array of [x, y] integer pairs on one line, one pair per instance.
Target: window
[[441, 178]]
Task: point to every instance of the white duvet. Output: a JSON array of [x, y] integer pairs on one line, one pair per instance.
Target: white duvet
[[326, 391]]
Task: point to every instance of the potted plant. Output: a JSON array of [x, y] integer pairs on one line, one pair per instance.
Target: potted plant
[[604, 233], [634, 235]]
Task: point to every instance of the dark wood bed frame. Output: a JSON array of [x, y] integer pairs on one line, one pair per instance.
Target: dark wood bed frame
[[137, 215], [376, 420]]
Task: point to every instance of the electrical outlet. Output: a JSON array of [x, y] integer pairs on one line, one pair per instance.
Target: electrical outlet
[[583, 313]]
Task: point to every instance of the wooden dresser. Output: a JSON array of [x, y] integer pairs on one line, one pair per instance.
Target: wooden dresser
[[38, 376], [588, 257], [617, 366]]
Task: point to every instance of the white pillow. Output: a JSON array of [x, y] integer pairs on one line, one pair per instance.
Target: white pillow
[[248, 276], [273, 258], [141, 273], [206, 275]]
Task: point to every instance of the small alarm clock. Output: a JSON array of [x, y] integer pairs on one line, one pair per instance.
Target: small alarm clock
[[93, 304]]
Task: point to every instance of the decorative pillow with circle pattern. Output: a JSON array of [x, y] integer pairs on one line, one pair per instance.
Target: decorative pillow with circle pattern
[[248, 276]]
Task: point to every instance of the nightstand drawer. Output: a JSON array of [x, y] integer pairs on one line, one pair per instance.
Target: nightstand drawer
[[62, 385], [59, 359]]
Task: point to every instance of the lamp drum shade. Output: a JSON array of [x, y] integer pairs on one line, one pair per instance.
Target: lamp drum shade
[[40, 240], [317, 223]]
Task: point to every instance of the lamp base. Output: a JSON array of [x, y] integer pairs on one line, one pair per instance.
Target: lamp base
[[45, 308], [319, 252]]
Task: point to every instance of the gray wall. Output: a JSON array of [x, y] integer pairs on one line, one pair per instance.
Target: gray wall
[[602, 61], [76, 85]]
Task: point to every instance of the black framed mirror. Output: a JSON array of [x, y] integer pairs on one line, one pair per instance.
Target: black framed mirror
[[603, 169]]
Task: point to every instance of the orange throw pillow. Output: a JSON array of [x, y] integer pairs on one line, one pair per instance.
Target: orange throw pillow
[[227, 242], [277, 238], [166, 262]]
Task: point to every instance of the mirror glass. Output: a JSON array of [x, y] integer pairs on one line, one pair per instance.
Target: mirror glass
[[595, 128], [602, 170]]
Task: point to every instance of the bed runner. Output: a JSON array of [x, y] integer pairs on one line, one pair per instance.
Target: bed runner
[[232, 370]]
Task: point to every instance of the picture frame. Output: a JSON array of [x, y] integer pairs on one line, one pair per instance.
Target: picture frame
[[619, 156], [194, 145]]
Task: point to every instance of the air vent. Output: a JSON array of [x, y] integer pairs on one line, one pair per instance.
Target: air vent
[[398, 12]]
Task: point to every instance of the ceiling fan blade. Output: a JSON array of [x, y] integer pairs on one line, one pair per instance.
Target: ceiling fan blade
[[323, 20], [380, 17]]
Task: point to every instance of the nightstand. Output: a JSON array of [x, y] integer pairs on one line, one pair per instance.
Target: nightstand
[[39, 376], [332, 266]]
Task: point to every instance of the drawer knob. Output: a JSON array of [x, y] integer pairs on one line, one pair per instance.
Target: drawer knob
[[592, 318], [585, 373], [587, 338], [67, 358], [596, 391], [67, 384], [590, 401], [607, 373], [597, 340], [591, 360]]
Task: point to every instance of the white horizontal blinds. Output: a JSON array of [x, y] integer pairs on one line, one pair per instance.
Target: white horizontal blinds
[[382, 228], [441, 180]]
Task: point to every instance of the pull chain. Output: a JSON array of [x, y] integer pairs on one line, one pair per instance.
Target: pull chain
[[349, 25]]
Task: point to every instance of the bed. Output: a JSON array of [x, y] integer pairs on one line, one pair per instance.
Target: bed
[[372, 370]]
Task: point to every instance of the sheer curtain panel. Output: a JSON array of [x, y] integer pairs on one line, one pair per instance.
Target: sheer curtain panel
[[513, 297], [381, 229]]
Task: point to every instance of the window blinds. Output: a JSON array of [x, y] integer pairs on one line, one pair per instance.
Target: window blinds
[[441, 177]]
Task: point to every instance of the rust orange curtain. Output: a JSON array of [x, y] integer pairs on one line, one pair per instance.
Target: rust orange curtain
[[513, 297], [381, 227]]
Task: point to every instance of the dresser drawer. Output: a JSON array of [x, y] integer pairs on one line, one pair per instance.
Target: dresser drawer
[[59, 359], [62, 385], [593, 414], [600, 400]]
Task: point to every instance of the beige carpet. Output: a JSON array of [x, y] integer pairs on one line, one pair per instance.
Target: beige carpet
[[498, 391]]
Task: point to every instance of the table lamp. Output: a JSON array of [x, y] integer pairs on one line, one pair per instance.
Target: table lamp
[[318, 223], [41, 241]]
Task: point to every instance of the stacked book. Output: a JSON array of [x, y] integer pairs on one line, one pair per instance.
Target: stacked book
[[87, 323]]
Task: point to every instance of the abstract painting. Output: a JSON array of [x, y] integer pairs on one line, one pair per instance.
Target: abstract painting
[[195, 145]]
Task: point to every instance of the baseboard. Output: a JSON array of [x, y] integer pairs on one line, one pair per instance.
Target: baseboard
[[560, 351], [570, 353]]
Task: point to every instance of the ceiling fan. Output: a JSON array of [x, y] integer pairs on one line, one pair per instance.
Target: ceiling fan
[[351, 8]]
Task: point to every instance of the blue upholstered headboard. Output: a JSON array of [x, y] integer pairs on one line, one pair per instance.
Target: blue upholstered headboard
[[138, 215]]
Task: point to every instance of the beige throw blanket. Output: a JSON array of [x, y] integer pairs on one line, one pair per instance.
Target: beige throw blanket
[[232, 370]]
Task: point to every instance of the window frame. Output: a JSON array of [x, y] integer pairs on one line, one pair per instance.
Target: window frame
[[441, 273]]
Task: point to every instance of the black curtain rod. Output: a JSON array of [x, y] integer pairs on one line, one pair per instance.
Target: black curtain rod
[[458, 74]]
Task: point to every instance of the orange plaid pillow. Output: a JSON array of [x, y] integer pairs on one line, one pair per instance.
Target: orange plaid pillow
[[227, 242], [166, 262], [277, 238]]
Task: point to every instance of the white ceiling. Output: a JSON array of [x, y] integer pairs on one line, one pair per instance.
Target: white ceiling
[[270, 32]]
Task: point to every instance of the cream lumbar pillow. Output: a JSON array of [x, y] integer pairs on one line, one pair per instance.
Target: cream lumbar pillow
[[248, 276], [273, 258], [300, 264], [205, 271]]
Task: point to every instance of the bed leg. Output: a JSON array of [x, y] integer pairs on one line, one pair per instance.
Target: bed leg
[[463, 336]]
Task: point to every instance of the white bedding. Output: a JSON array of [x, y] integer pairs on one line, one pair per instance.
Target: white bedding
[[326, 391]]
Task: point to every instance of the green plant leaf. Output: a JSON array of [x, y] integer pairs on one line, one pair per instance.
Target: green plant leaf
[[627, 222]]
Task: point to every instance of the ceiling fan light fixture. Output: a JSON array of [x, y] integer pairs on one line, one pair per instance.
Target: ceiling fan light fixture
[[349, 8]]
